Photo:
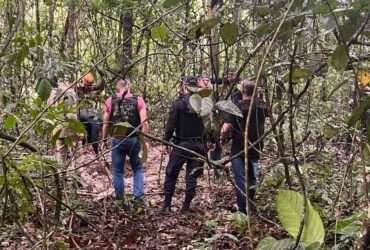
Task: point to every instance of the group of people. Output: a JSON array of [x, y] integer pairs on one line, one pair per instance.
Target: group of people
[[186, 131]]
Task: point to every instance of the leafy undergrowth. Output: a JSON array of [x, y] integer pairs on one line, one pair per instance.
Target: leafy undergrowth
[[105, 224]]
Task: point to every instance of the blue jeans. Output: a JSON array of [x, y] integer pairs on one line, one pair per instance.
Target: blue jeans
[[120, 149], [238, 168]]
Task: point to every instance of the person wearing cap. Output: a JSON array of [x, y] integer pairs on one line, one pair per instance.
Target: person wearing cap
[[88, 114], [190, 134], [236, 125]]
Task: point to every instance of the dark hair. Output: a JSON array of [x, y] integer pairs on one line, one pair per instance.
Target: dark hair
[[248, 87], [189, 80]]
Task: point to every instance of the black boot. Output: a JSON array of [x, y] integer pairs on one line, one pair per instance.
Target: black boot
[[185, 209], [166, 208]]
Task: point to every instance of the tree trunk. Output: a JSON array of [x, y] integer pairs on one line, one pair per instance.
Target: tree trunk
[[213, 6], [127, 23]]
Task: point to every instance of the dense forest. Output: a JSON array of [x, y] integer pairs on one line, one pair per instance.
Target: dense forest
[[308, 60]]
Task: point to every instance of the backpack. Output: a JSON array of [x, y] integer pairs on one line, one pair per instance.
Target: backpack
[[124, 110]]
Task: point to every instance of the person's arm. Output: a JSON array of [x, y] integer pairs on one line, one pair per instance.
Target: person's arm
[[144, 120], [105, 126], [143, 114], [171, 122], [106, 118]]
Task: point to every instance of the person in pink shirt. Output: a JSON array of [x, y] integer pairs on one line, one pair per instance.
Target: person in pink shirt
[[125, 107]]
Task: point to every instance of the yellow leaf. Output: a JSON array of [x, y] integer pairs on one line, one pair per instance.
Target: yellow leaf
[[363, 77]]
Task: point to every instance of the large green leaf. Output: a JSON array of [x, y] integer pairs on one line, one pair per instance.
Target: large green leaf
[[43, 89], [120, 130], [199, 29], [270, 243], [203, 92], [207, 106], [350, 226], [290, 207], [357, 113], [159, 32], [229, 33], [329, 131], [10, 121], [366, 151], [196, 103], [263, 10], [239, 221], [321, 7], [201, 105], [229, 107], [170, 3], [76, 126], [262, 29], [298, 74], [339, 59]]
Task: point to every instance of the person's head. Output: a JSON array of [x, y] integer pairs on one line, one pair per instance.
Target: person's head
[[88, 80], [123, 84], [231, 75], [247, 88], [203, 82], [187, 81]]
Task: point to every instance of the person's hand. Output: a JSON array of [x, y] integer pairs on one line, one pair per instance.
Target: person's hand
[[223, 141], [104, 146], [211, 146], [166, 149]]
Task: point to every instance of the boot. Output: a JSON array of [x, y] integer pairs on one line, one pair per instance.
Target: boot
[[185, 209], [166, 208]]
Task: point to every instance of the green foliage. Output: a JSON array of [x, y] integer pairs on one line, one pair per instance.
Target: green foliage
[[211, 225], [229, 107], [76, 126], [203, 92], [350, 226], [202, 28], [299, 74], [10, 121], [239, 221], [43, 89], [339, 59], [202, 106], [290, 207], [61, 245], [329, 131], [120, 130], [366, 152], [322, 7], [357, 113], [270, 243], [262, 30], [159, 32], [263, 10], [170, 3], [229, 33]]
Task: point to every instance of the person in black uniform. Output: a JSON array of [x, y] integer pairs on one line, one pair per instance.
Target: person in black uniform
[[189, 133]]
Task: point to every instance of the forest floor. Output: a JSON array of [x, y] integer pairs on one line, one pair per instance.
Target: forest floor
[[105, 224]]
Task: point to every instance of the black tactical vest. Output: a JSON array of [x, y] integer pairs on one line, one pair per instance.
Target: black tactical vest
[[125, 110], [190, 124]]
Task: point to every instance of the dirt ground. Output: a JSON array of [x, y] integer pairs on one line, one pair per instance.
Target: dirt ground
[[106, 225]]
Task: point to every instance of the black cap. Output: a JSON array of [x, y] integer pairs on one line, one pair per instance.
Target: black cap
[[189, 80]]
